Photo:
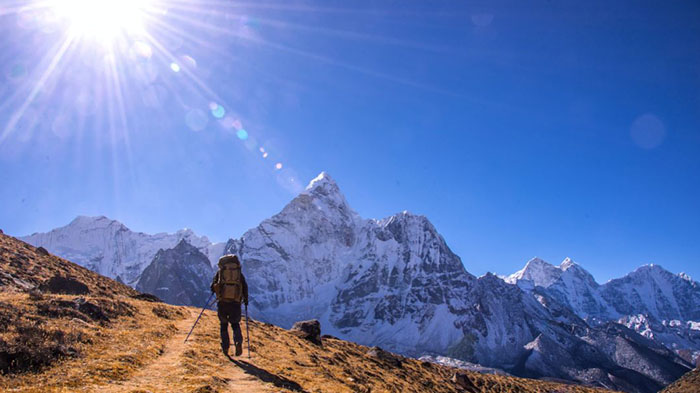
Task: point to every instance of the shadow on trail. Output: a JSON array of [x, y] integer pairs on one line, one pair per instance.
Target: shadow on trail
[[266, 376]]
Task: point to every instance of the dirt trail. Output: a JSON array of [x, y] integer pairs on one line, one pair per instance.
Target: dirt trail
[[168, 371]]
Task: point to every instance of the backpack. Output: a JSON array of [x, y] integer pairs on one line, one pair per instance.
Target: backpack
[[230, 284]]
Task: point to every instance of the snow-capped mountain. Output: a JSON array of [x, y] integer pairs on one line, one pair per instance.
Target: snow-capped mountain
[[110, 248], [653, 290], [568, 283], [536, 273], [395, 283], [179, 275], [654, 302], [373, 281]]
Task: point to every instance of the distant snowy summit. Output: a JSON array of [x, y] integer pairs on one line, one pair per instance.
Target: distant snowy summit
[[649, 290], [108, 247], [652, 301]]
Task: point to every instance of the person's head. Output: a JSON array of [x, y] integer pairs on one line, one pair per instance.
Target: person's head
[[229, 258]]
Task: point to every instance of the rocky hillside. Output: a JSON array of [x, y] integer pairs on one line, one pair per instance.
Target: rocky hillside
[[24, 268], [690, 383], [91, 334]]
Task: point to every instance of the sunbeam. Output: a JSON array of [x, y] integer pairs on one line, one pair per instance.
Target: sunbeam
[[17, 115], [133, 57]]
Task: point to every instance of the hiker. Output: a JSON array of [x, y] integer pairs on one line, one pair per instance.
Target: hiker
[[231, 290]]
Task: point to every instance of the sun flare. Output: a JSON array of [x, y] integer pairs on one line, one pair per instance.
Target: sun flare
[[102, 20]]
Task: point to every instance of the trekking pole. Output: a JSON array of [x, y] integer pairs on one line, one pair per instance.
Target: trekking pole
[[247, 331], [200, 315]]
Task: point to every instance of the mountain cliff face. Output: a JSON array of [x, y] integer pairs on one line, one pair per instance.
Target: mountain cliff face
[[180, 275], [375, 282], [113, 250]]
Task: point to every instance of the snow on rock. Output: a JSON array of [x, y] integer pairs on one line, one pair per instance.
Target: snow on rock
[[110, 248], [654, 291], [652, 301], [536, 272], [376, 282], [456, 363]]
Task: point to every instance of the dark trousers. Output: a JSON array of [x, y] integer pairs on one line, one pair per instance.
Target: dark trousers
[[230, 312]]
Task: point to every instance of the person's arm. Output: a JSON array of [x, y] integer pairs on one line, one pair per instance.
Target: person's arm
[[245, 290], [214, 282]]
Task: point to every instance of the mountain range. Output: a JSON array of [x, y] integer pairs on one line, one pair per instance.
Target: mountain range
[[109, 248], [394, 282], [64, 328]]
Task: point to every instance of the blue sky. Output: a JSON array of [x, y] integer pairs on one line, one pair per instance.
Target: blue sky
[[548, 129]]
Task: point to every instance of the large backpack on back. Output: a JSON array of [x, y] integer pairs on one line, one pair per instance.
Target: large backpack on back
[[230, 282]]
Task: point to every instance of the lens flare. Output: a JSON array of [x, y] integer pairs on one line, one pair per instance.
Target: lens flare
[[102, 20], [217, 110], [105, 65], [142, 49]]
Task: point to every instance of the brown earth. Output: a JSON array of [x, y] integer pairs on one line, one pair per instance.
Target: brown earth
[[110, 340]]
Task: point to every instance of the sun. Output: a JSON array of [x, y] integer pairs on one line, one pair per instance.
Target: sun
[[102, 20]]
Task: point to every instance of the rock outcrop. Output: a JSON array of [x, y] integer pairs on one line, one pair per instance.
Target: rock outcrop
[[179, 275], [308, 330]]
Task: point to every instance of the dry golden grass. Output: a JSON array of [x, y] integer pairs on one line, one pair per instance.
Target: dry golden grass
[[342, 366], [689, 383], [101, 352], [110, 341]]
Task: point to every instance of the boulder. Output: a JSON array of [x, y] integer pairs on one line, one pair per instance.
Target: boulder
[[147, 297], [462, 380], [67, 285], [42, 251], [385, 357], [92, 310], [308, 330]]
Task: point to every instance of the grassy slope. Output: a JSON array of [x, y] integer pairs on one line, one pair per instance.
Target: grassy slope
[[689, 383], [119, 343]]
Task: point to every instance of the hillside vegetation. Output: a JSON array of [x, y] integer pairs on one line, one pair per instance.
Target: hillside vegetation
[[689, 383], [66, 329]]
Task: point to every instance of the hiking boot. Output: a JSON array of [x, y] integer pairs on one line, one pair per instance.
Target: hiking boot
[[225, 350], [239, 349]]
